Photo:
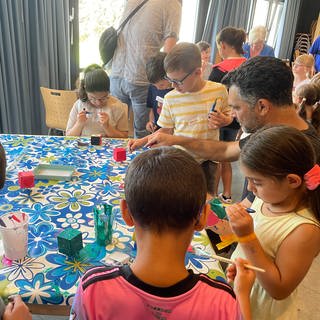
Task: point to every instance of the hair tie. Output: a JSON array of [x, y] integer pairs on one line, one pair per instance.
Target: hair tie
[[312, 178]]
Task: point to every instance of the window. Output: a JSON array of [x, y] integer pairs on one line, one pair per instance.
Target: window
[[96, 15], [271, 20]]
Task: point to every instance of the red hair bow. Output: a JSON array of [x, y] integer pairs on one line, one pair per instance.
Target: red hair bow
[[312, 178]]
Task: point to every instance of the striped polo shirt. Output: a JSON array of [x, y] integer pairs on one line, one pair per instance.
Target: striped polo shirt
[[187, 113]]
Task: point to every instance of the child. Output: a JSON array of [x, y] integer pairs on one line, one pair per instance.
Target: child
[[158, 87], [165, 208], [206, 65], [97, 112], [185, 109], [303, 70], [306, 96], [283, 235], [229, 42]]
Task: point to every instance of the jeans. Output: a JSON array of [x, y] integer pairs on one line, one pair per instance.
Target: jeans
[[134, 96]]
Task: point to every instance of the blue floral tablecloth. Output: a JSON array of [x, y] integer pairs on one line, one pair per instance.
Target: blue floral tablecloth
[[46, 276]]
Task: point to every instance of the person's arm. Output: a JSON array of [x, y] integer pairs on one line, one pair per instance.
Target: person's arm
[[206, 149], [243, 279], [76, 121], [169, 43], [218, 119], [151, 126], [216, 75], [16, 310], [134, 144], [109, 130], [286, 271]]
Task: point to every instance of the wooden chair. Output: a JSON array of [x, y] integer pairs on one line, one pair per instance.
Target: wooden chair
[[58, 104]]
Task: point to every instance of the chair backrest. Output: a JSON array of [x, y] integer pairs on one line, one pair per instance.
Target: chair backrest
[[58, 104]]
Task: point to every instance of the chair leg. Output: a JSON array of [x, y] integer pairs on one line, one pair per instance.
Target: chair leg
[[49, 131]]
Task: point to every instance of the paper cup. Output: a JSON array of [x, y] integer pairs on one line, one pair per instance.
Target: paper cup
[[14, 234]]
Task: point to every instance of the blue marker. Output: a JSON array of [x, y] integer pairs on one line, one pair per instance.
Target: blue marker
[[213, 106], [87, 112], [249, 210]]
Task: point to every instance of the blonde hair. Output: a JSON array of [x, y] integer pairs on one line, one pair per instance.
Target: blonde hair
[[257, 33], [183, 56], [305, 59]]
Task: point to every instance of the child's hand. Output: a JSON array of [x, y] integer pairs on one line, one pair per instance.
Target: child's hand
[[217, 119], [134, 144], [242, 277], [82, 116], [16, 310], [150, 126], [104, 119], [240, 220]]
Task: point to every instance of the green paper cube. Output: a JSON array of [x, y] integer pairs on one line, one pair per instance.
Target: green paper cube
[[70, 242]]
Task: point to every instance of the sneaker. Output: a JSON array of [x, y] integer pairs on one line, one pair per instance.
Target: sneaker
[[224, 199]]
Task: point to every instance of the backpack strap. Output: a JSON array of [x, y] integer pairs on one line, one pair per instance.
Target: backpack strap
[[132, 13]]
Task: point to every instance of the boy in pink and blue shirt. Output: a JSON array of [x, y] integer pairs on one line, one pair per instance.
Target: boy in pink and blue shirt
[[157, 284]]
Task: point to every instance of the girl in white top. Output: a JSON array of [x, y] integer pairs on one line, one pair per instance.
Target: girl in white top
[[96, 111], [282, 236]]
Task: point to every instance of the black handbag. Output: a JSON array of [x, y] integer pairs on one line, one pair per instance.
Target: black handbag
[[109, 38]]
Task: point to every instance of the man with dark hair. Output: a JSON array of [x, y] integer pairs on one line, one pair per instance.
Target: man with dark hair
[[260, 93], [165, 208], [156, 25]]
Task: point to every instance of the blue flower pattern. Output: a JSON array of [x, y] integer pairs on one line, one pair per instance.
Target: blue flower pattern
[[46, 276]]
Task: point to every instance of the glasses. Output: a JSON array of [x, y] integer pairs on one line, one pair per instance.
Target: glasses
[[102, 99], [178, 82]]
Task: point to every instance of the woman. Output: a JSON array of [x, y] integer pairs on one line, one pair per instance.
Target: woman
[[257, 45]]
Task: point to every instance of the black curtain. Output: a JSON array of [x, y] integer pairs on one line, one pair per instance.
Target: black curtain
[[35, 51]]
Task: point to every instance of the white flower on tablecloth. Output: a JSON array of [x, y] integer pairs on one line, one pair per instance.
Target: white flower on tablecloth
[[71, 220], [119, 241]]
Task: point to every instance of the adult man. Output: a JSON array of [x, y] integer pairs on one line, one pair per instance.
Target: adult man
[[260, 93], [154, 26]]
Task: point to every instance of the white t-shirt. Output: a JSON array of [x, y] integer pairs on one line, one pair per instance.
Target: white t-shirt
[[116, 110]]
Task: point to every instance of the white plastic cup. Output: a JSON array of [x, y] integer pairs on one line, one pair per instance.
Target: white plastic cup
[[14, 234]]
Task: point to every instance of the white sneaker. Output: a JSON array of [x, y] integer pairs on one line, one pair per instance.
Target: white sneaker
[[225, 199]]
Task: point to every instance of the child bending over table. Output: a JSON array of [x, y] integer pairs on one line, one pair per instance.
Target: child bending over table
[[15, 309], [96, 111], [283, 235], [158, 88], [165, 208]]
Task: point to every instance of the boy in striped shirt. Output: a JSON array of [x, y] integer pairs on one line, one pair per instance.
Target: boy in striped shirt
[[186, 109]]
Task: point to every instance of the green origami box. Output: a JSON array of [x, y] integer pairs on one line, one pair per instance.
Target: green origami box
[[70, 242]]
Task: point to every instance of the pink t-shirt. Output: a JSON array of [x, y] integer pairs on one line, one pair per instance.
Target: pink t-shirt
[[110, 292]]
